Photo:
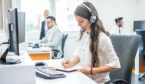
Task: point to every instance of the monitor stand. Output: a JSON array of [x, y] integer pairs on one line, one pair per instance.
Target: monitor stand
[[12, 58]]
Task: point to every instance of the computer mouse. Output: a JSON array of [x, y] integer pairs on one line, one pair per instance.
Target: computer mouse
[[40, 64]]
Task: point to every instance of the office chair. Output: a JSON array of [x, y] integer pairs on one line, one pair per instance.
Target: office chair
[[142, 51], [63, 43], [126, 47], [55, 52]]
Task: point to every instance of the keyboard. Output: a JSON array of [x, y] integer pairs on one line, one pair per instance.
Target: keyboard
[[48, 73]]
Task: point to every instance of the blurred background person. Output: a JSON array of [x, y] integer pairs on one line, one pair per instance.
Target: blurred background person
[[53, 37], [118, 29], [44, 28]]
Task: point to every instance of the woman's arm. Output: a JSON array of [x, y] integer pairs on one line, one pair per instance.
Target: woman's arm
[[102, 69], [72, 62], [97, 70]]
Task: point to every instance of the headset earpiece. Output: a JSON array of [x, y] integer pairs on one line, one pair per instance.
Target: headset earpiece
[[93, 18]]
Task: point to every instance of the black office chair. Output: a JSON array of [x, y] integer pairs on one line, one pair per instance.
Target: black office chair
[[126, 47], [63, 43], [142, 51], [55, 52]]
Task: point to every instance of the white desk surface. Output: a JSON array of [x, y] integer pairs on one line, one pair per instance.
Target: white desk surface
[[30, 50], [38, 50], [71, 78], [22, 73], [24, 57]]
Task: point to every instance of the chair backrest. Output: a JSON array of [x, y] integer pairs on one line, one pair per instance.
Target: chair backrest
[[126, 47], [56, 54], [63, 41]]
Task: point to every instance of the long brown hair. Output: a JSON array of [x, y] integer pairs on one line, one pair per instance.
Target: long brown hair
[[96, 27]]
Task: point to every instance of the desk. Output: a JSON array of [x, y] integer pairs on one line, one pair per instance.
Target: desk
[[22, 73], [71, 78], [39, 53]]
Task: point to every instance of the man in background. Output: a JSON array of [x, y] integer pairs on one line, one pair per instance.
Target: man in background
[[119, 27], [43, 25], [53, 37]]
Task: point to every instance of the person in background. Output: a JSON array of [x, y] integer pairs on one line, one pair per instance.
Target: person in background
[[53, 36], [95, 52], [119, 27], [43, 25]]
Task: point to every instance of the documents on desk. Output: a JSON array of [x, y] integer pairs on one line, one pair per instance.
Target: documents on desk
[[41, 49], [73, 69], [61, 69]]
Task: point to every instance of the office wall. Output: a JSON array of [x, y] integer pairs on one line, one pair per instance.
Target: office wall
[[139, 11], [1, 15], [16, 4], [4, 6], [110, 9]]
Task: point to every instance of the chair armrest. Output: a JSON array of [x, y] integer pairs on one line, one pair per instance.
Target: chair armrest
[[54, 53], [117, 81]]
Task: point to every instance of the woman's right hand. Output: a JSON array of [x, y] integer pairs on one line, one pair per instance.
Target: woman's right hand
[[66, 64]]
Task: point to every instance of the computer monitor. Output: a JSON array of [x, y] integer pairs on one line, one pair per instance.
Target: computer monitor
[[21, 26], [139, 25], [139, 28], [13, 31], [16, 27]]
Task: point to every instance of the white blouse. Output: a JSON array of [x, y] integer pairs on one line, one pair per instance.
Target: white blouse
[[106, 53]]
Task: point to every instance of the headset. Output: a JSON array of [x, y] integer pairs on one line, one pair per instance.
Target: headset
[[93, 18]]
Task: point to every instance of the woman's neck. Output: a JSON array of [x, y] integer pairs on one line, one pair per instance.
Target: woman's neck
[[88, 30]]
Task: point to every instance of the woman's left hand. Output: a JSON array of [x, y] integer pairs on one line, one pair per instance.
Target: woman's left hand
[[86, 70]]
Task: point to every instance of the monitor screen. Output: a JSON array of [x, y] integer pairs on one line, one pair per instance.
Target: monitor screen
[[139, 25], [16, 27], [13, 31], [21, 26]]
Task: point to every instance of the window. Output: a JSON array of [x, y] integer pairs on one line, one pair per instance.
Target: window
[[34, 15], [65, 14], [63, 10], [1, 18]]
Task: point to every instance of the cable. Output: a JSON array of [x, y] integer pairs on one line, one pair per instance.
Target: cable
[[4, 43], [1, 47]]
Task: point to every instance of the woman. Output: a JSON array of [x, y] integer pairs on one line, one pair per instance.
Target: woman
[[95, 51]]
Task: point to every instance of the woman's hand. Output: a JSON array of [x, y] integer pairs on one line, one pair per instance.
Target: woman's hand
[[70, 63], [86, 70], [66, 64]]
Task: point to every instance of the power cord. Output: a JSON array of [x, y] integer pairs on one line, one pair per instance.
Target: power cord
[[1, 47], [4, 43]]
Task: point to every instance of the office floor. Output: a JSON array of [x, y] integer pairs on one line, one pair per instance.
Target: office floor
[[135, 80]]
